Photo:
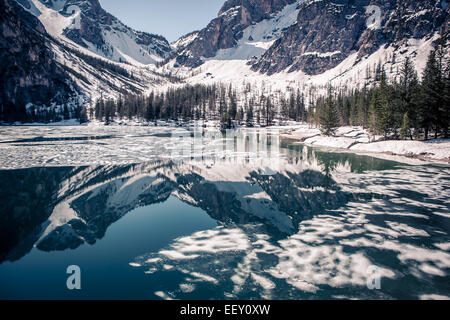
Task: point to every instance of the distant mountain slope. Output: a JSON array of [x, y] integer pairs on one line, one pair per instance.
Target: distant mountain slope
[[87, 24]]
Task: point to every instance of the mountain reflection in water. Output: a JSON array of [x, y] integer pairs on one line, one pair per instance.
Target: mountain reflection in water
[[309, 229]]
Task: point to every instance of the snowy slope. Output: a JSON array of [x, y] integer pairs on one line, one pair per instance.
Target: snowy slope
[[184, 40]]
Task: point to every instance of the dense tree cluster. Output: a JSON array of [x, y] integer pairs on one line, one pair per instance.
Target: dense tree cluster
[[402, 107], [65, 112]]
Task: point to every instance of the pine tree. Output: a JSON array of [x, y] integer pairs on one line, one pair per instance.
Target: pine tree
[[284, 109], [328, 117], [407, 91], [66, 113], [446, 101], [429, 98], [443, 59], [225, 121], [240, 115], [233, 107], [250, 113], [381, 118]]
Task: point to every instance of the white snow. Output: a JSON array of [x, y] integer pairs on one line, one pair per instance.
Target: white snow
[[334, 142], [434, 297], [434, 149], [374, 20], [53, 21], [322, 54]]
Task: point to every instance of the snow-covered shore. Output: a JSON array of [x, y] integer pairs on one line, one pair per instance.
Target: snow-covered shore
[[358, 140], [352, 139]]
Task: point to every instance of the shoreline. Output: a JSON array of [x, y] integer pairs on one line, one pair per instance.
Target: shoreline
[[357, 140]]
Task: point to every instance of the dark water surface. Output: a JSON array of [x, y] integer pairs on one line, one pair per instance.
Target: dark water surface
[[311, 226]]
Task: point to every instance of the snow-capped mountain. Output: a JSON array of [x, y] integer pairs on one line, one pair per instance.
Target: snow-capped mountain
[[227, 31], [326, 32], [87, 24], [310, 36]]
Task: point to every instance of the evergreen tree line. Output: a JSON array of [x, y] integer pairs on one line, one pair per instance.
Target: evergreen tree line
[[202, 102], [399, 108]]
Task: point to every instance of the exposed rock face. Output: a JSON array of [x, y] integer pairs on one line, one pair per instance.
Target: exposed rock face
[[28, 72], [328, 31], [224, 31], [325, 33], [94, 28]]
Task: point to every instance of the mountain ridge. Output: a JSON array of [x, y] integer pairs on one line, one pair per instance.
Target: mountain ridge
[[87, 24]]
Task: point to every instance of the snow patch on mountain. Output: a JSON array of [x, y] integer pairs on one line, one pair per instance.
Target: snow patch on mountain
[[53, 21], [185, 40]]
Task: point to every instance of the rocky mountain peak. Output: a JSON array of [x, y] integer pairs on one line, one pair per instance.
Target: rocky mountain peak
[[224, 31]]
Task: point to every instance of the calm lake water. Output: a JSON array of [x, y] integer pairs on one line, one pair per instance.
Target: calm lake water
[[144, 221]]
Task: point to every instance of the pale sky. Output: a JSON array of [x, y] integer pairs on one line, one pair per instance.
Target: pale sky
[[170, 18]]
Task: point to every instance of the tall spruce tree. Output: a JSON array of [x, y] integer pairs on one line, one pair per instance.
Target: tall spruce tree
[[405, 131], [407, 89], [429, 98], [328, 115]]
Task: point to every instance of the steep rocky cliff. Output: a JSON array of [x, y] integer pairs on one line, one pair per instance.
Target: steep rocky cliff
[[224, 31], [28, 71], [321, 36]]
